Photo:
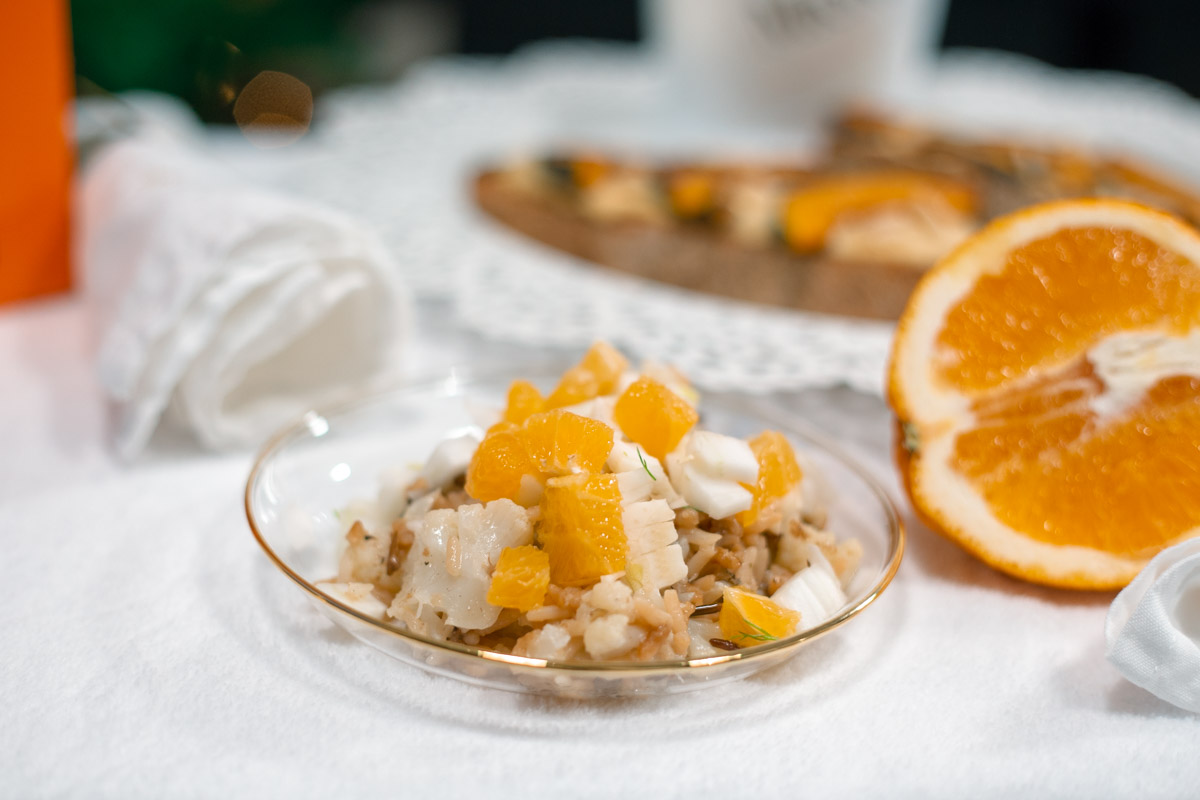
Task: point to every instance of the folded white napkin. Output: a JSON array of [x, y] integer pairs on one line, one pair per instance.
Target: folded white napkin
[[227, 307], [1153, 627]]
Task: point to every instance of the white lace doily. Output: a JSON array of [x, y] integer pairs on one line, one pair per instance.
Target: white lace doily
[[401, 157]]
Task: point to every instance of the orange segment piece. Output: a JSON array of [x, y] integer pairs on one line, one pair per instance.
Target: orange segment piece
[[654, 416], [1046, 382], [748, 619], [588, 171], [811, 210], [503, 425], [524, 399], [521, 578], [692, 194], [496, 468], [596, 374], [560, 442], [581, 528], [778, 473]]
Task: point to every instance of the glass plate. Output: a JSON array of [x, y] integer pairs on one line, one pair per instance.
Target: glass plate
[[330, 457]]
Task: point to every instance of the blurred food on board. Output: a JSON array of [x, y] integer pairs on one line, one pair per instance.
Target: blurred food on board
[[850, 232]]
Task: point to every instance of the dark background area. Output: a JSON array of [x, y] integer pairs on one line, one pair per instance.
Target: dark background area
[[205, 50]]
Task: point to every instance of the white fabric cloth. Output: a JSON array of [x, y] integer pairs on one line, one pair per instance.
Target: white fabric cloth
[[1153, 627], [231, 307]]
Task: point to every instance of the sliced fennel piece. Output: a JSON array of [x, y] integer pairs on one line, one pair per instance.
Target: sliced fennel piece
[[649, 526], [708, 470], [449, 460], [634, 485], [702, 630], [814, 591], [713, 496], [627, 457], [721, 456], [659, 568], [654, 557], [641, 475]]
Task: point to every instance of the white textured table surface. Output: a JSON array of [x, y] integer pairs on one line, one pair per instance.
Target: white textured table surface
[[150, 650]]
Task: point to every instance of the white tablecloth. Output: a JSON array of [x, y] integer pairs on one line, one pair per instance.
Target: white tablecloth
[[150, 650]]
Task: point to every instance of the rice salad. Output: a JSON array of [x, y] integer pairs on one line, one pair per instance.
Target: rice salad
[[599, 522]]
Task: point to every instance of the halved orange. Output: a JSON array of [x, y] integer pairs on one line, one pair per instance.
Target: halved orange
[[1046, 382]]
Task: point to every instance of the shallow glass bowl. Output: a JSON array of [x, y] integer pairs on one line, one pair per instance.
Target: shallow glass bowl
[[327, 458]]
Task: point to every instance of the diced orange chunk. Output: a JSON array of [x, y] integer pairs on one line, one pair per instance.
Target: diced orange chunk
[[581, 528], [496, 468], [692, 194], [521, 578], [560, 442], [596, 374], [588, 171], [524, 399], [778, 473], [654, 416], [748, 619]]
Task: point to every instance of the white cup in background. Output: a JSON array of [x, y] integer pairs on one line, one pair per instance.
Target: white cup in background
[[790, 60]]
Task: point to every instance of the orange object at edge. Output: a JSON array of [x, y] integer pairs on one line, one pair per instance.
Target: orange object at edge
[[35, 150]]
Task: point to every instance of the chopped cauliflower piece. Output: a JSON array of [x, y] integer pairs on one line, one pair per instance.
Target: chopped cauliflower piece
[[549, 642], [449, 565], [611, 636], [611, 595]]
